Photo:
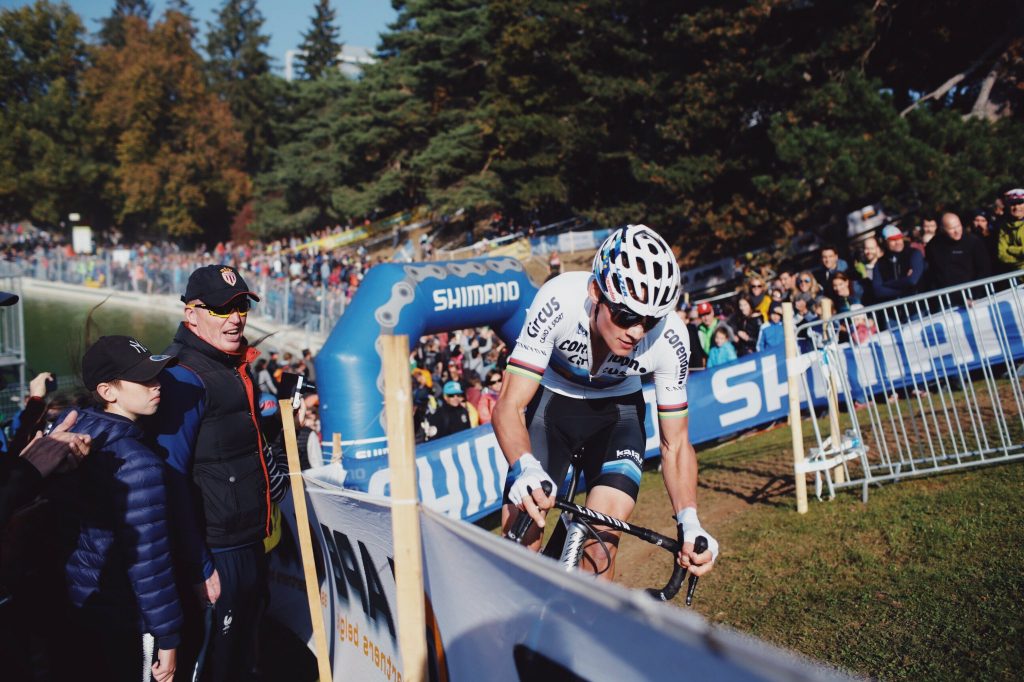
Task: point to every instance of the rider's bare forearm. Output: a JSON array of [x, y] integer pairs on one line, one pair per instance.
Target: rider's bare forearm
[[679, 469], [509, 418], [510, 430]]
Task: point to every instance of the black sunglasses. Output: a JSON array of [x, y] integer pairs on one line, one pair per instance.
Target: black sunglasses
[[625, 318], [493, 381]]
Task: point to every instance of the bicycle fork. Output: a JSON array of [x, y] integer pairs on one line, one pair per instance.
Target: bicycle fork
[[572, 549], [575, 532]]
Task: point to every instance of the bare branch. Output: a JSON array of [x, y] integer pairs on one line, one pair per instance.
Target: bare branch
[[982, 108], [940, 91]]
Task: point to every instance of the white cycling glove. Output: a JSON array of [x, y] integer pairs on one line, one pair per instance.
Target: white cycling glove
[[687, 518], [528, 474]]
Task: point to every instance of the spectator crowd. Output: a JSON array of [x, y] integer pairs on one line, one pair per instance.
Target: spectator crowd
[[456, 378], [303, 282], [877, 267]]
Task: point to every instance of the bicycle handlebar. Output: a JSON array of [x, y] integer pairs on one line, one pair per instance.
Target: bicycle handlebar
[[700, 545], [523, 522]]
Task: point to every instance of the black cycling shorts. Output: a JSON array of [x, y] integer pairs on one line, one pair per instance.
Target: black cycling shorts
[[610, 431]]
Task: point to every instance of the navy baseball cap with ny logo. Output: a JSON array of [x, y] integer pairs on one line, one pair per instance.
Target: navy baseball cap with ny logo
[[120, 357]]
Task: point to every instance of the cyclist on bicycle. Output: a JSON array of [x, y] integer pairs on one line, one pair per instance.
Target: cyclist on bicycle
[[573, 380]]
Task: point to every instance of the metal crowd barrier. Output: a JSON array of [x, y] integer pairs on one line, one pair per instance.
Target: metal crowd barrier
[[925, 385], [316, 309]]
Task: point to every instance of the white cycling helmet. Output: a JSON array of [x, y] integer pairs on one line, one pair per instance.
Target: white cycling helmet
[[634, 267]]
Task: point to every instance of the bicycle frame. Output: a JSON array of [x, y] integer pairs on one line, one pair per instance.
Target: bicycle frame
[[575, 533]]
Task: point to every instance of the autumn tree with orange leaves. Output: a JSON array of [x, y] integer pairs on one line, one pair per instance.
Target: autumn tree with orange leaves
[[178, 155]]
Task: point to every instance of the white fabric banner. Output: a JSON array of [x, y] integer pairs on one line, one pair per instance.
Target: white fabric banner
[[503, 613], [497, 612]]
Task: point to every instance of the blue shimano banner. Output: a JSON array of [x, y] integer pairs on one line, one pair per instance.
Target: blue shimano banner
[[753, 390]]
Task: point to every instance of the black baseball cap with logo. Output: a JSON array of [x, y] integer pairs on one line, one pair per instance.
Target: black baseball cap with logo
[[216, 285], [120, 357]]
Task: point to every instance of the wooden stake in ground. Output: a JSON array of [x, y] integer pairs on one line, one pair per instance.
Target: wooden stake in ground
[[405, 520], [795, 427], [291, 447]]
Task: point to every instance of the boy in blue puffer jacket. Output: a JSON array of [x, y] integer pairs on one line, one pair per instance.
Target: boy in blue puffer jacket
[[120, 575]]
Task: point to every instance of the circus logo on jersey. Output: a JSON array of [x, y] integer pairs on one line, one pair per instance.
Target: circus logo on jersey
[[544, 316]]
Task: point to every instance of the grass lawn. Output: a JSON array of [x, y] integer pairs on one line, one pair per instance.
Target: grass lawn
[[924, 582]]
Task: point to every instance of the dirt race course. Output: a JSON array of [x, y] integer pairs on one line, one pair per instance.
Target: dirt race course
[[728, 488]]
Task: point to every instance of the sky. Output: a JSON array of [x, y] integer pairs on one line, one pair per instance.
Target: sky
[[360, 21]]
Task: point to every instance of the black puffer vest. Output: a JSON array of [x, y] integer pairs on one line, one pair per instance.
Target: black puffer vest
[[228, 465]]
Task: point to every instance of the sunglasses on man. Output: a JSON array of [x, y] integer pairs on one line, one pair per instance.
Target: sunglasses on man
[[240, 307], [625, 318]]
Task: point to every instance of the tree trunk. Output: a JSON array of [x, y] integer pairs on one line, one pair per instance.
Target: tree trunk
[[983, 107]]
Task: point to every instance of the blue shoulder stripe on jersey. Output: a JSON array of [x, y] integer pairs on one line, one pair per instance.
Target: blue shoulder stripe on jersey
[[580, 376]]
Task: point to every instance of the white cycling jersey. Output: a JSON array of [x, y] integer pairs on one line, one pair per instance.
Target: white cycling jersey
[[554, 347]]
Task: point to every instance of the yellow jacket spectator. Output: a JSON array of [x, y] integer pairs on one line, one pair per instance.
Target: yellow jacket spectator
[[1011, 236]]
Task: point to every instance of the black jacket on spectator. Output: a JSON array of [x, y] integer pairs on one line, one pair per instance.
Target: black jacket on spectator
[[956, 262], [751, 324], [698, 358], [229, 468], [449, 420], [896, 275]]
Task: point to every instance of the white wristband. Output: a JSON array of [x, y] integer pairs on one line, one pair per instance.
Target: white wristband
[[687, 516], [525, 460]]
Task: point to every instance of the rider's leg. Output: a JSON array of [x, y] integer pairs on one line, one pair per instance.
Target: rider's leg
[[612, 502]]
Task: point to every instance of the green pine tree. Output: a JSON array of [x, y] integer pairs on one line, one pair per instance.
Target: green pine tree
[[321, 44], [112, 28], [420, 127], [239, 72], [294, 196]]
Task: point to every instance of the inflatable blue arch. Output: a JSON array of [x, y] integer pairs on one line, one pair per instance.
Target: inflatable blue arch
[[463, 473]]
